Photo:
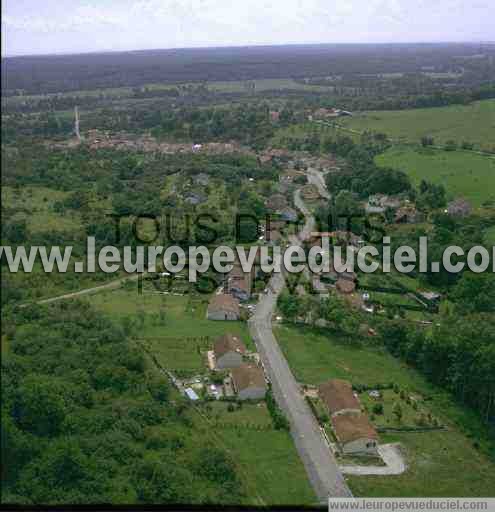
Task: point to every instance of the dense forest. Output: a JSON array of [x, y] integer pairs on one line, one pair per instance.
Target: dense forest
[[60, 73], [87, 419]]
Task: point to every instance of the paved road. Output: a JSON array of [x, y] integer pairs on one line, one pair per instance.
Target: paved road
[[320, 464], [316, 178]]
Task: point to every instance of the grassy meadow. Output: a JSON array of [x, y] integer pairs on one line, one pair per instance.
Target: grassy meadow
[[473, 123], [35, 205], [181, 336], [314, 357], [463, 174], [267, 459]]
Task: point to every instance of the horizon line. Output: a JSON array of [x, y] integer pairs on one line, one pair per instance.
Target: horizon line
[[255, 45]]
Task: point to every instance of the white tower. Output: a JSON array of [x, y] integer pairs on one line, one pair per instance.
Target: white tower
[[76, 123]]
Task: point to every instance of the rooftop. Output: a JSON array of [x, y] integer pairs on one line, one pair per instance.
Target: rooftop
[[228, 343], [223, 302], [351, 427], [337, 395], [248, 375]]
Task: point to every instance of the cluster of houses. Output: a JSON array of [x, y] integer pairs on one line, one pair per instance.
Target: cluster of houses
[[344, 281], [328, 113], [405, 212], [277, 204], [274, 155], [353, 431], [321, 113], [237, 288], [459, 208], [104, 139], [246, 376], [310, 192]]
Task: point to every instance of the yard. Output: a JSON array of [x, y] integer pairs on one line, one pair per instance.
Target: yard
[[173, 327], [442, 464], [432, 457], [271, 470], [414, 411]]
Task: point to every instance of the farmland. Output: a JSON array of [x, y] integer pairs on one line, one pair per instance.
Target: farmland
[[473, 123], [463, 174]]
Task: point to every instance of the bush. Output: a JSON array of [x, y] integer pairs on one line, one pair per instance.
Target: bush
[[280, 422], [450, 145], [378, 409]]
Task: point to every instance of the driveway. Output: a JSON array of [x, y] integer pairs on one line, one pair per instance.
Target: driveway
[[391, 455]]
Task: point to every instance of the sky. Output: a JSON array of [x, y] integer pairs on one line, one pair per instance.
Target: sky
[[77, 26]]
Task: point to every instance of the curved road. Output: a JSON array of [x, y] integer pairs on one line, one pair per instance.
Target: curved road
[[320, 464]]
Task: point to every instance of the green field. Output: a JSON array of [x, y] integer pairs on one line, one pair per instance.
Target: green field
[[266, 84], [463, 174], [315, 358], [473, 123], [271, 469], [441, 464], [36, 204], [273, 472], [431, 457], [235, 86], [178, 339]]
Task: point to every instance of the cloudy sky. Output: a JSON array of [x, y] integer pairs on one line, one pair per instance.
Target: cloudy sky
[[62, 26]]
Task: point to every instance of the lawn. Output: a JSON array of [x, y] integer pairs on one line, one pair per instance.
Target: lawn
[[473, 123], [247, 414], [412, 407], [440, 463], [178, 339], [315, 357], [272, 473], [273, 468], [463, 174]]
